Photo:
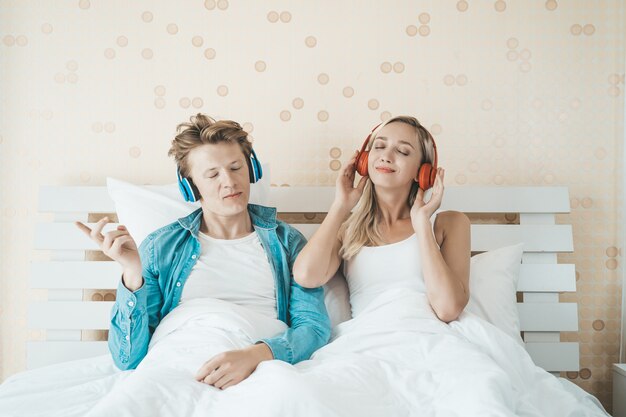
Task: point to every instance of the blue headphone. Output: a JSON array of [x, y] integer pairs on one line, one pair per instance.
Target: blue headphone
[[190, 192]]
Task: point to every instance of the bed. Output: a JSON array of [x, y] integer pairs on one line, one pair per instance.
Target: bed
[[518, 360]]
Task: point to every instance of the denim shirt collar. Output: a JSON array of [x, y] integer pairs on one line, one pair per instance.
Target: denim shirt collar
[[261, 216]]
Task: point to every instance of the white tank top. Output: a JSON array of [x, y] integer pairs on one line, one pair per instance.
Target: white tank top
[[376, 269]]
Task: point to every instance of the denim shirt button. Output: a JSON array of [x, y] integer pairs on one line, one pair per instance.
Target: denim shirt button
[[130, 304], [193, 256], [127, 337], [178, 284]]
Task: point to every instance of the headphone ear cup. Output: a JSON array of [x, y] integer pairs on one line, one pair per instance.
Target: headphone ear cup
[[194, 192], [183, 190], [183, 185], [258, 171], [361, 163], [425, 177], [254, 167]]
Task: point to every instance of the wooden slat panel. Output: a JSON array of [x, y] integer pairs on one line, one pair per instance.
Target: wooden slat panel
[[70, 315], [547, 278], [546, 317], [87, 275], [542, 337], [465, 199], [555, 356], [556, 238], [47, 353]]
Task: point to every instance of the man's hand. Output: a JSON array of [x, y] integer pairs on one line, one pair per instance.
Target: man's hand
[[119, 246], [230, 368]]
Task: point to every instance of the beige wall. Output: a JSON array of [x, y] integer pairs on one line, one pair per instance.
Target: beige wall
[[516, 92]]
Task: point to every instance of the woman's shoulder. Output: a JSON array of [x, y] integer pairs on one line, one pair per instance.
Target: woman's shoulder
[[449, 221]]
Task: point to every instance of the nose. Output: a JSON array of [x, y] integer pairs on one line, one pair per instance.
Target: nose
[[229, 179], [384, 155]]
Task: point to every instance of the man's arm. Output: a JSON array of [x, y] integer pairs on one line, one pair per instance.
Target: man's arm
[[134, 316], [309, 324]]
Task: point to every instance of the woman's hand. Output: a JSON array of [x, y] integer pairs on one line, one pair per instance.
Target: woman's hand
[[119, 246], [426, 210], [346, 194]]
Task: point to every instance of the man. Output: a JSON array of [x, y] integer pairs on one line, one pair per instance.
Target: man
[[195, 257]]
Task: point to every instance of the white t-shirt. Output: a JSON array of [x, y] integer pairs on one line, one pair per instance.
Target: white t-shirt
[[234, 270]]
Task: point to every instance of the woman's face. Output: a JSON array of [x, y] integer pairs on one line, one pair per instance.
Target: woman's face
[[395, 156], [220, 173]]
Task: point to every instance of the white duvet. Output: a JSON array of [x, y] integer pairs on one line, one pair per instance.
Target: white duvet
[[394, 359]]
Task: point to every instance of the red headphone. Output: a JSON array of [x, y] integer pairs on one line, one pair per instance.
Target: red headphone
[[425, 176]]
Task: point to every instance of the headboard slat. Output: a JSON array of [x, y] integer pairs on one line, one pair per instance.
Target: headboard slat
[[537, 238]]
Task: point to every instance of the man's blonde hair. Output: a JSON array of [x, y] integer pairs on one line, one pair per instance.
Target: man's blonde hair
[[201, 130]]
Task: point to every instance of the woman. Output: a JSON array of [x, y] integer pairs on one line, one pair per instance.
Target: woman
[[390, 220]]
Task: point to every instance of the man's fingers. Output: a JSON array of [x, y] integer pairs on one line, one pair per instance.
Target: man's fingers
[[215, 376], [84, 228], [110, 237], [230, 384], [225, 379], [206, 369], [116, 247], [96, 232]]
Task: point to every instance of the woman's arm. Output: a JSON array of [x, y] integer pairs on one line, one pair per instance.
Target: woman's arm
[[309, 324], [446, 270], [319, 260]]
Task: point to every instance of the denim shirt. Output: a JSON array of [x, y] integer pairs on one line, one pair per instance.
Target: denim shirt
[[167, 257]]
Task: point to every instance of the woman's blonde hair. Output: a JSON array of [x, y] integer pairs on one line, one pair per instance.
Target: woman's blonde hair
[[361, 228], [201, 130]]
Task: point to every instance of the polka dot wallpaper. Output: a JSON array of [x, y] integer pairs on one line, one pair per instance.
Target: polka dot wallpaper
[[515, 93]]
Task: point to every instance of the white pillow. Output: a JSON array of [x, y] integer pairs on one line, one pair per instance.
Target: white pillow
[[144, 209], [493, 287], [337, 299]]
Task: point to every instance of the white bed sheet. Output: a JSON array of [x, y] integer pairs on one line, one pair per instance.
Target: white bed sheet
[[395, 359]]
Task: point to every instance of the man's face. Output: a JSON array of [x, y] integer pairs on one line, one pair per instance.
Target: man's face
[[220, 173]]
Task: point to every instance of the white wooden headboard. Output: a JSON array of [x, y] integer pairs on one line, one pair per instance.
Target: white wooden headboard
[[542, 316]]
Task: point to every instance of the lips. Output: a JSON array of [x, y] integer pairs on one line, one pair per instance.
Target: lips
[[385, 170], [234, 195]]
